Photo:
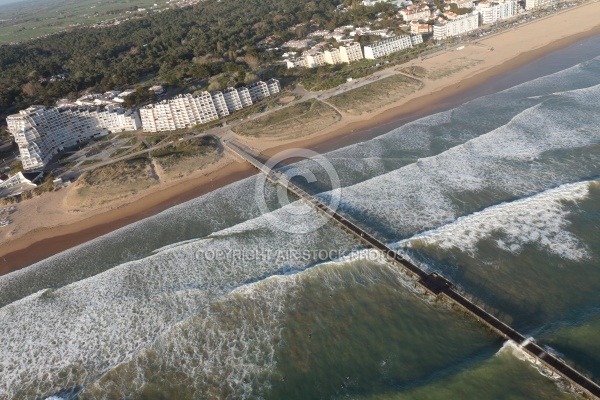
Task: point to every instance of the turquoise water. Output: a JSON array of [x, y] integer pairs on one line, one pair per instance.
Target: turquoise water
[[211, 300]]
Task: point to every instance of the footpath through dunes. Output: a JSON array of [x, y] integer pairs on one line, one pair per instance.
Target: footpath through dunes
[[433, 283]]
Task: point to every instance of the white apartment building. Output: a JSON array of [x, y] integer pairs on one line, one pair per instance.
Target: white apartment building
[[351, 52], [386, 47], [114, 119], [258, 91], [245, 97], [315, 60], [274, 86], [415, 14], [416, 28], [205, 108], [533, 4], [41, 132], [492, 12], [220, 104], [456, 26], [416, 39], [296, 63], [232, 100], [14, 185], [157, 117], [332, 56], [185, 111]]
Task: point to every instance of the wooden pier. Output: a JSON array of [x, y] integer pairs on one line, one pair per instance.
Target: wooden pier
[[433, 283]]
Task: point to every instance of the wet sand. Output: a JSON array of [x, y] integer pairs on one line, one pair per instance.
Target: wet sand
[[39, 244]]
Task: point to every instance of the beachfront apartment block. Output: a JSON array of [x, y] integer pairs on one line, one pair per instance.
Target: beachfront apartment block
[[180, 112], [245, 98], [220, 104], [42, 132], [533, 4], [258, 91], [386, 47], [233, 100], [455, 25], [296, 63], [417, 28], [316, 59], [12, 186], [490, 12], [114, 119], [416, 39], [332, 56], [185, 111], [274, 86], [351, 52]]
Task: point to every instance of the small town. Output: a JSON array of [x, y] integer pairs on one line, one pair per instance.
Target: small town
[[43, 133]]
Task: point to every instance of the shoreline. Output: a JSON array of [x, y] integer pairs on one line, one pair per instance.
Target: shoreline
[[50, 241], [41, 243], [420, 106]]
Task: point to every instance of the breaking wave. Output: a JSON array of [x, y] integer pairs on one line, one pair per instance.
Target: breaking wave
[[540, 220]]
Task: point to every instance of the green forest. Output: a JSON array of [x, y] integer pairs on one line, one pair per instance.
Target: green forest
[[196, 42]]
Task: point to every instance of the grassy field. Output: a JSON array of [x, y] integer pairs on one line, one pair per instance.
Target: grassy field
[[181, 158], [119, 173], [375, 95], [416, 71], [113, 182], [355, 70], [298, 120], [155, 139], [31, 19]]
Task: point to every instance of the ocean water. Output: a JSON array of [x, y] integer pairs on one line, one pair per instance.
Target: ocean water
[[211, 300]]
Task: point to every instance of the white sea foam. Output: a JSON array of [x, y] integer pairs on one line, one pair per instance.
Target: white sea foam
[[202, 216], [228, 206], [540, 220], [228, 352], [98, 323], [509, 160], [516, 350], [230, 349], [71, 335]]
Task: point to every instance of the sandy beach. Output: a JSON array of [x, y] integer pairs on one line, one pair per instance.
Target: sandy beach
[[47, 225]]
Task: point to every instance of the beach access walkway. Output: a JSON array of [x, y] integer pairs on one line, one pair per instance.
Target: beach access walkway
[[433, 283]]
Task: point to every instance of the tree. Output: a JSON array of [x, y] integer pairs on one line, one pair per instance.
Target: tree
[[161, 44], [140, 96], [32, 88], [201, 71], [253, 61]]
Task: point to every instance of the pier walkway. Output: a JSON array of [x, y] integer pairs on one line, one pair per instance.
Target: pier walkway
[[433, 283]]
